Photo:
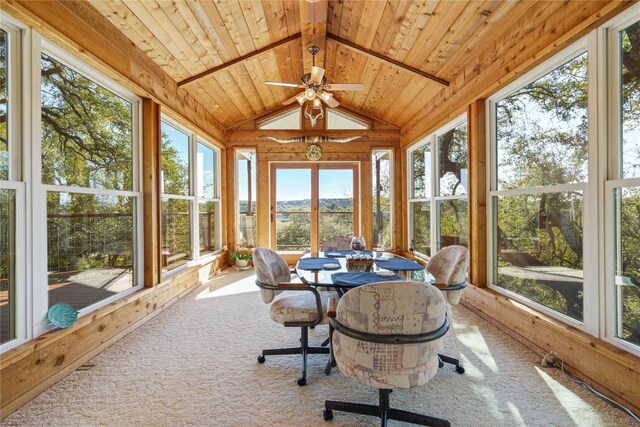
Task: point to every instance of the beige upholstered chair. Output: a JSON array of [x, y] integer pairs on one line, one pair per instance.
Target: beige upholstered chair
[[337, 243], [387, 335], [302, 307], [449, 267]]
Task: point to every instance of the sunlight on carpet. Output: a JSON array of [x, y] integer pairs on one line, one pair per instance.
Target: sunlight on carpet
[[195, 364]]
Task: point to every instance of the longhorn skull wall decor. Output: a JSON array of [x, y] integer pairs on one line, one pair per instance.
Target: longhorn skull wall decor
[[313, 139]]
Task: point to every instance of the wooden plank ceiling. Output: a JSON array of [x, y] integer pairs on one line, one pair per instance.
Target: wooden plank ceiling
[[222, 51]]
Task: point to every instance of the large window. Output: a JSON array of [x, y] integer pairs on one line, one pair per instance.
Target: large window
[[438, 190], [8, 191], [190, 196], [382, 161], [623, 186], [541, 168], [79, 195], [89, 178], [246, 198]]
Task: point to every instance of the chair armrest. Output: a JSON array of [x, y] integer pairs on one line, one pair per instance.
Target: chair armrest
[[290, 286], [331, 307], [391, 339], [454, 287]]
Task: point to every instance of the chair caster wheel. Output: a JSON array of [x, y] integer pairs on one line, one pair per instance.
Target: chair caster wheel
[[460, 369], [440, 363], [327, 370], [261, 359], [302, 381], [327, 414]]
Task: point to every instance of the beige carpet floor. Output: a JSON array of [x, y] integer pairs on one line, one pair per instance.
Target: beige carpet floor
[[195, 365]]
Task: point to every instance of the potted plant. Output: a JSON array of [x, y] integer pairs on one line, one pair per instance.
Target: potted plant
[[241, 257]]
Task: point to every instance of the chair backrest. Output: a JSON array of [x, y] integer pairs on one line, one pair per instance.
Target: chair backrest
[[449, 267], [337, 243], [390, 308], [271, 269]]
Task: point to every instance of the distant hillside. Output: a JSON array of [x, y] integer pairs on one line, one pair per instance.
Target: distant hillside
[[329, 204]]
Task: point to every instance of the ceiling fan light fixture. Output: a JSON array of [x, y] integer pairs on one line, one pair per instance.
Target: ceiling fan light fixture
[[317, 103], [310, 94], [301, 98], [325, 96]]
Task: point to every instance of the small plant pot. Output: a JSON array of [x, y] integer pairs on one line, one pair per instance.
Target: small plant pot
[[241, 262]]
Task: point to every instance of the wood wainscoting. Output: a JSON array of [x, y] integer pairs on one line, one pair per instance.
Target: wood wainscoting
[[34, 366], [608, 369]]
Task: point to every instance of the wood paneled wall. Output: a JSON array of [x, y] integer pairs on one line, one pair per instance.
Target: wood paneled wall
[[79, 28], [246, 136], [525, 40], [610, 370], [31, 368]]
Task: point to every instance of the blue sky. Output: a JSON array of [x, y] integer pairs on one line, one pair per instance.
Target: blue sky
[[295, 184]]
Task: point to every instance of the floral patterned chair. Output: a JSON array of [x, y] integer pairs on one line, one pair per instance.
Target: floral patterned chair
[[449, 267], [387, 335], [304, 307]]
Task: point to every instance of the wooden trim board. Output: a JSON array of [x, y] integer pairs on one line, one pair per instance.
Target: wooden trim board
[[610, 370], [31, 368]]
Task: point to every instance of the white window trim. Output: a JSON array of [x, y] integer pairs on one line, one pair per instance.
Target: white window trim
[[609, 171], [237, 190], [433, 193], [39, 226], [194, 199], [20, 297], [392, 211], [589, 187], [19, 130], [216, 199]]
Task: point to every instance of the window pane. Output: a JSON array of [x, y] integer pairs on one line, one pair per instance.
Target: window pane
[[7, 265], [453, 223], [86, 131], [175, 161], [539, 249], [420, 172], [541, 130], [176, 233], [381, 181], [4, 103], [246, 172], [420, 226], [630, 98], [207, 225], [335, 191], [628, 263], [452, 162], [293, 209], [288, 120], [90, 247], [206, 172], [337, 120]]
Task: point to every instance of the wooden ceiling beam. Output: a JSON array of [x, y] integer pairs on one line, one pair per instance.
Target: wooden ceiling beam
[[238, 60], [385, 59], [313, 25]]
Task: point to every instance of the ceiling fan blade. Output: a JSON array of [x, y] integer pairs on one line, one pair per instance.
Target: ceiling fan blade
[[345, 86], [283, 84], [317, 73], [331, 102], [291, 100]]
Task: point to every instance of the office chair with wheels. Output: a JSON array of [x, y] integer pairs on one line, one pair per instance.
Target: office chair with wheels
[[386, 336]]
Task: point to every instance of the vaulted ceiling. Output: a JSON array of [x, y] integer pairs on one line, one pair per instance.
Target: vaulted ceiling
[[405, 52]]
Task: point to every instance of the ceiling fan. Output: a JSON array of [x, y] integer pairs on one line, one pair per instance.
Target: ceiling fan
[[316, 87]]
